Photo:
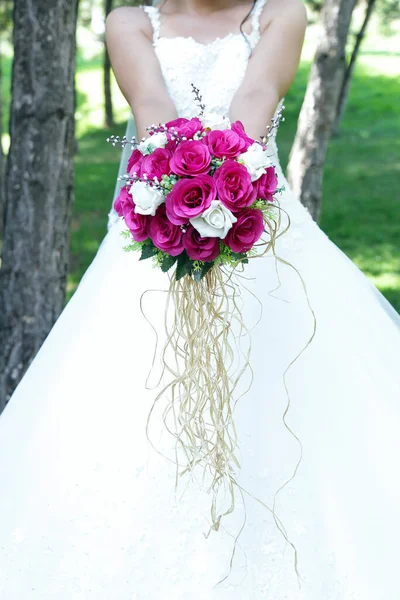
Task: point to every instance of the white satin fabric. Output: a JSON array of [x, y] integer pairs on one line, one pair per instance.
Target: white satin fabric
[[87, 506]]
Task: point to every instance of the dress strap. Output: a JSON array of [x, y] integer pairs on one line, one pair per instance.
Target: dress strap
[[154, 15], [255, 15]]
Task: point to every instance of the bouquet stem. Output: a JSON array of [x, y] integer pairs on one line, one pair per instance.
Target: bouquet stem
[[200, 406]]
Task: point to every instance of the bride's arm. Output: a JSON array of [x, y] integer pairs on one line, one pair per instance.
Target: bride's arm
[[136, 67], [272, 66]]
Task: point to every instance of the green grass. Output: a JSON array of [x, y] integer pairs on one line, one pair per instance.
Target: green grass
[[361, 200]]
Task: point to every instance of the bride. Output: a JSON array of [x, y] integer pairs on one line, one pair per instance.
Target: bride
[[88, 508]]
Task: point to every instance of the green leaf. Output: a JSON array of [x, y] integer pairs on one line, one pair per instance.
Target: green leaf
[[184, 265], [238, 255], [197, 275], [205, 268], [148, 250], [167, 262]]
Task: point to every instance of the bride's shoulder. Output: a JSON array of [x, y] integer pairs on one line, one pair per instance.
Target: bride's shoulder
[[291, 11], [129, 19]]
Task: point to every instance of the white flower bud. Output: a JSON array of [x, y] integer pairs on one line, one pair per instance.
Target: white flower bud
[[256, 160], [157, 140], [214, 121], [216, 221], [146, 198]]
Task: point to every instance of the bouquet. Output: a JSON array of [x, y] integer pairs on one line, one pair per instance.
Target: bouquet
[[198, 195]]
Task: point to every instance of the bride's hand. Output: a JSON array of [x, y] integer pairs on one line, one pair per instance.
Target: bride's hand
[[272, 67], [136, 67]]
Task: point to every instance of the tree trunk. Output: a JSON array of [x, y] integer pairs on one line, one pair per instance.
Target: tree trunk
[[39, 183], [109, 120], [345, 89], [318, 111], [2, 157]]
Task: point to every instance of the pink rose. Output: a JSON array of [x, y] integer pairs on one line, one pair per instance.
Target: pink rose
[[138, 224], [225, 143], [185, 127], [191, 158], [246, 231], [189, 198], [123, 201], [134, 162], [156, 164], [238, 128], [266, 185], [200, 248], [164, 234], [234, 186]]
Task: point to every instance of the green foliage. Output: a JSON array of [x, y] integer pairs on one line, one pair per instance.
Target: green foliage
[[387, 10], [387, 13], [148, 249], [228, 257], [167, 262], [184, 265], [215, 163], [6, 15], [132, 246], [315, 5], [202, 270], [168, 181]]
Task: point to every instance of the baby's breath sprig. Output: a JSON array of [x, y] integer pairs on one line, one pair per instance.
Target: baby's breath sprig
[[199, 99], [115, 139], [155, 182], [162, 128], [155, 128], [273, 128]]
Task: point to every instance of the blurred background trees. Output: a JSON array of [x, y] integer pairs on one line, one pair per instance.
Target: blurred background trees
[[343, 103]]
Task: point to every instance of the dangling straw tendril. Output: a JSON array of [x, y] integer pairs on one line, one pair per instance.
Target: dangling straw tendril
[[201, 402]]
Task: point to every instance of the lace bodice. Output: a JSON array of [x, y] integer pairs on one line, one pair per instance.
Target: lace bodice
[[216, 69]]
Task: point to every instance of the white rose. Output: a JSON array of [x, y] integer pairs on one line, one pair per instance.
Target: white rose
[[214, 121], [216, 221], [146, 198], [256, 160], [157, 140]]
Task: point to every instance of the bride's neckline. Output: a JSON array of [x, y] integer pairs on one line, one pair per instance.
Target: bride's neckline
[[205, 44], [231, 35]]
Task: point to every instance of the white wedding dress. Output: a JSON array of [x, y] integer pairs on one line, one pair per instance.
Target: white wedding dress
[[88, 507]]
